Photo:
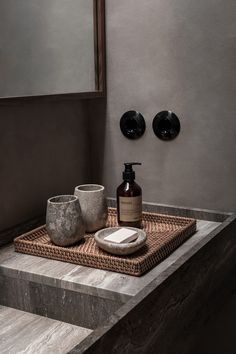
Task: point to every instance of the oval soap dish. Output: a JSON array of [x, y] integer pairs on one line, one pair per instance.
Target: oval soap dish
[[121, 249]]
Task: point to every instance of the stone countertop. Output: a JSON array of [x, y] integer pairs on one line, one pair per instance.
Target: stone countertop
[[23, 332], [92, 281], [157, 293]]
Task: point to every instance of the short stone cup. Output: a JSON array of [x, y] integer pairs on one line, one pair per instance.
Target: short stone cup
[[93, 205], [64, 222]]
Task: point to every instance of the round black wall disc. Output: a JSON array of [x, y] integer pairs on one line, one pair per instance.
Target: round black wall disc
[[132, 125], [166, 125]]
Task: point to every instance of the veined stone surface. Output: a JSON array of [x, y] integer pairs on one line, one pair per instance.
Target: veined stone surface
[[23, 332], [97, 282], [168, 293]]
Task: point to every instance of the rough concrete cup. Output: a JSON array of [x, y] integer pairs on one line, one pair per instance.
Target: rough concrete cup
[[93, 205], [64, 222]]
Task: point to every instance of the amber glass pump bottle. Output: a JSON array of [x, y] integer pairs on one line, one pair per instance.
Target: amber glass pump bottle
[[129, 199]]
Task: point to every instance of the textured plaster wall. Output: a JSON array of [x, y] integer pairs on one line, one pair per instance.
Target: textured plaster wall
[[176, 55], [43, 152]]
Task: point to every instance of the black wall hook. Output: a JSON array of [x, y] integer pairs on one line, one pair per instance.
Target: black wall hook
[[132, 125], [166, 125]]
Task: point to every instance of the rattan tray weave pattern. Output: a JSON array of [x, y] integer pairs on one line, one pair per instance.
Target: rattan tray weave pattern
[[164, 235]]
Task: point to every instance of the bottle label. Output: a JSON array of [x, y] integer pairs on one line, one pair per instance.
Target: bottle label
[[130, 208]]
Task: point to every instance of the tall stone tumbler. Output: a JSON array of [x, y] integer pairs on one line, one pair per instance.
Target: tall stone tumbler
[[64, 222], [93, 205]]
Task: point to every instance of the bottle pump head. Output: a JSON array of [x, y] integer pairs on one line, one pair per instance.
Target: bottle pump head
[[129, 174]]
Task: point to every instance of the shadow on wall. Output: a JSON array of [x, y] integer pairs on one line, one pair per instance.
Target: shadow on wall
[[43, 152], [97, 131]]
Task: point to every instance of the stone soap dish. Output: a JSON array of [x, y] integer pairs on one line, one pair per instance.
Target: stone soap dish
[[121, 249]]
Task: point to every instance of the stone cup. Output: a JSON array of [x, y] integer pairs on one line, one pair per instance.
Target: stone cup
[[93, 205], [64, 222]]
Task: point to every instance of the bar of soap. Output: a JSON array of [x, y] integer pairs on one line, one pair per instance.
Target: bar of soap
[[122, 236]]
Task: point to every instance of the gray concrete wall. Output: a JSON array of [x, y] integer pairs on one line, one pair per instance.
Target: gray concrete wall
[[44, 151], [176, 55]]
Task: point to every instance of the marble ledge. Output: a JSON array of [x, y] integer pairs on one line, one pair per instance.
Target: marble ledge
[[23, 332], [96, 282]]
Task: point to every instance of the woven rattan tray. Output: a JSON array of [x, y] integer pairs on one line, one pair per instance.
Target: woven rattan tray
[[164, 235]]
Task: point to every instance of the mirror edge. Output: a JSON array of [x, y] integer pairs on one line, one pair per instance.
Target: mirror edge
[[99, 46]]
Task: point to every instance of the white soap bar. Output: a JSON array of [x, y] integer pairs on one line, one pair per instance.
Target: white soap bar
[[122, 236]]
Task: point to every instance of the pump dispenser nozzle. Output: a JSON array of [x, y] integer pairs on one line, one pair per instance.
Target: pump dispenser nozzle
[[129, 174]]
